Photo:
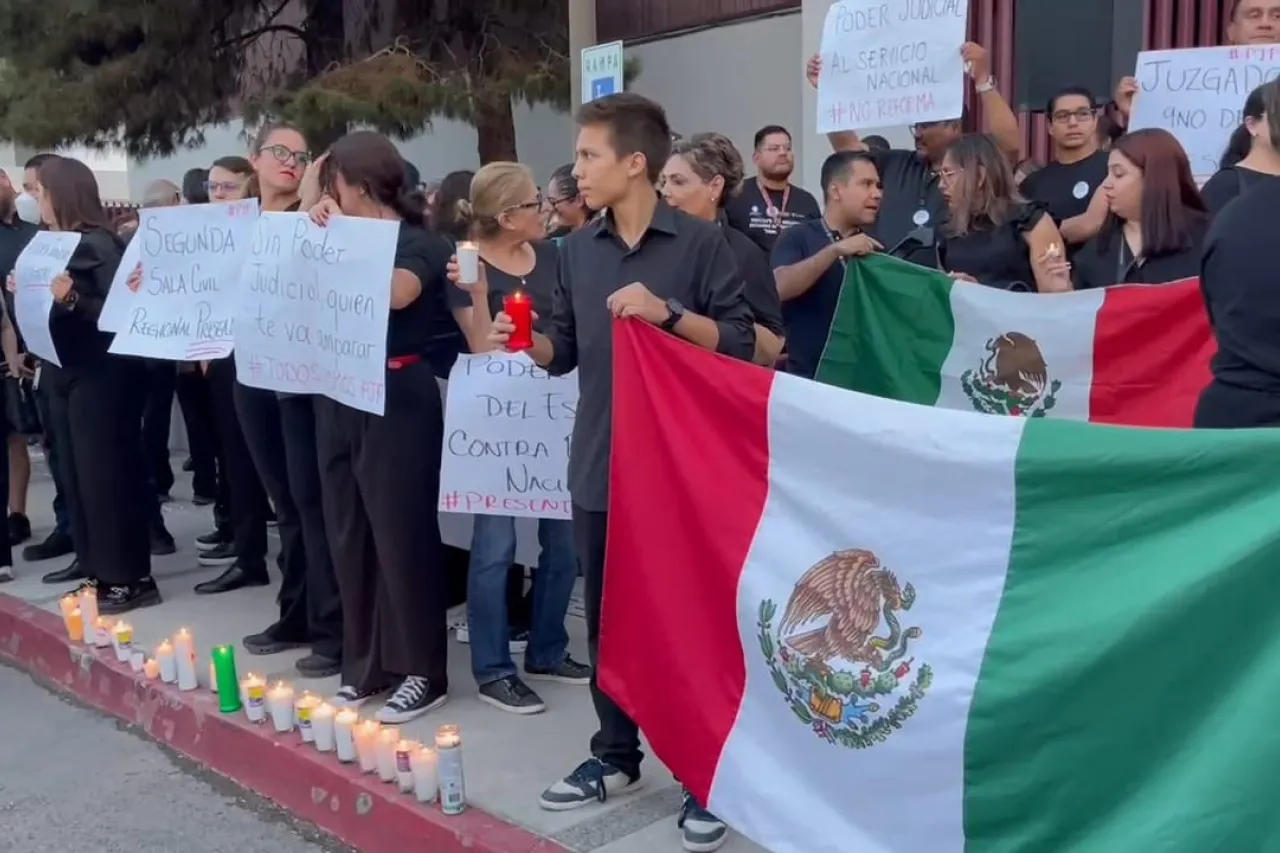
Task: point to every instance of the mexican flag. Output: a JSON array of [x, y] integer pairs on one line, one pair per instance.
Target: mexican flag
[[853, 625], [1131, 354]]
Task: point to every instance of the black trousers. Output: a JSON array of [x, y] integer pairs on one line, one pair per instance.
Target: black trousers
[[380, 482], [323, 601], [61, 512], [618, 740], [1224, 406], [157, 417], [246, 497], [96, 415], [196, 402], [6, 547]]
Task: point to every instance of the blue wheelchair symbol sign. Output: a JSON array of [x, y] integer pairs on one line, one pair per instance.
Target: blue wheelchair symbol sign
[[601, 86]]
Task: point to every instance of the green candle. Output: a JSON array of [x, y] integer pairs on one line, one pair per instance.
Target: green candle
[[224, 667]]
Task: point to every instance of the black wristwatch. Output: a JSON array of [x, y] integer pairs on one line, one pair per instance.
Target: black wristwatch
[[674, 312]]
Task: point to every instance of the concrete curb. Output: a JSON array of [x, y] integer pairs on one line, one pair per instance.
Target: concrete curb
[[356, 809]]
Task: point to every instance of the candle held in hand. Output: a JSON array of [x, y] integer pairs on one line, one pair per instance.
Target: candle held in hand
[[468, 262], [519, 308]]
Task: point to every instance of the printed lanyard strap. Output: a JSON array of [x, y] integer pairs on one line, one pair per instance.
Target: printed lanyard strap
[[775, 213]]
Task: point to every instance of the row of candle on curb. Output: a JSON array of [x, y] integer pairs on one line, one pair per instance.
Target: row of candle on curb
[[426, 772]]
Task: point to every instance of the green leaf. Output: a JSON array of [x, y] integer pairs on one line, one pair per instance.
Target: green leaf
[[802, 712], [780, 680]]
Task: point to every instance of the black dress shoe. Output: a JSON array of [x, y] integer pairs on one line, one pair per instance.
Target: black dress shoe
[[67, 575], [233, 578], [162, 543], [268, 643], [19, 528], [56, 544], [121, 598], [316, 665]]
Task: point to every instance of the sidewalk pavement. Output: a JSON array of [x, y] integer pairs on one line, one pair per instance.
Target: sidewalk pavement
[[508, 759]]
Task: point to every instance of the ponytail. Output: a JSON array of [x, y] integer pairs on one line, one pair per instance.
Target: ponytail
[[410, 204], [1237, 147]]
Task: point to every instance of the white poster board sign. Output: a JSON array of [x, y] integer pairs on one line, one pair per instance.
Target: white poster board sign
[[507, 425], [115, 311], [1198, 94], [40, 262], [313, 307], [191, 257], [891, 62]]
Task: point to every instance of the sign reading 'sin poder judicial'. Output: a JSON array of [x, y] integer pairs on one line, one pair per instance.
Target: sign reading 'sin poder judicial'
[[506, 437]]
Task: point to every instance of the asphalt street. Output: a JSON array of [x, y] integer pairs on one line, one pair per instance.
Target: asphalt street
[[73, 781]]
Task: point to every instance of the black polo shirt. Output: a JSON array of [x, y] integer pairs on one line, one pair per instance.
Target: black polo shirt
[[679, 257], [808, 317], [912, 199]]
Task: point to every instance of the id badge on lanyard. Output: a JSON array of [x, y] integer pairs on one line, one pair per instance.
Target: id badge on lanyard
[[772, 211]]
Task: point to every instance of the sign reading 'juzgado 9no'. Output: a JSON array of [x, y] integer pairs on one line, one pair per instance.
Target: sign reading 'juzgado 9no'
[[506, 437]]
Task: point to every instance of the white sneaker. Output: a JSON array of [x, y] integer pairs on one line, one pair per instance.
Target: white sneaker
[[6, 574]]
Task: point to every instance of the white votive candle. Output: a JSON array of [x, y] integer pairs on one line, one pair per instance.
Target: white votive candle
[[184, 656], [255, 697], [388, 739], [102, 633], [122, 640], [322, 726], [166, 663], [137, 660], [426, 784], [366, 736], [302, 710], [468, 262], [280, 706], [151, 669], [344, 725], [404, 764], [89, 613], [213, 680]]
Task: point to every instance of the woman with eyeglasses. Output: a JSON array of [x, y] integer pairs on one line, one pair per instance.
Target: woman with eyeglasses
[[505, 211], [566, 211], [993, 236]]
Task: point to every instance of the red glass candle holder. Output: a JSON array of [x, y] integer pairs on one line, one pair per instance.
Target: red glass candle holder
[[520, 309]]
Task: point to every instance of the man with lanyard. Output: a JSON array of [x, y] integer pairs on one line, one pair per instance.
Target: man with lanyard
[[774, 204], [913, 201]]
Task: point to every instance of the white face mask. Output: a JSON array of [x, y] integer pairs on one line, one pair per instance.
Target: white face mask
[[28, 208]]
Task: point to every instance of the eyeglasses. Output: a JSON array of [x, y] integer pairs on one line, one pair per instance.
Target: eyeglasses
[[948, 175], [222, 186], [1064, 116], [556, 202], [528, 205], [776, 149], [284, 154]]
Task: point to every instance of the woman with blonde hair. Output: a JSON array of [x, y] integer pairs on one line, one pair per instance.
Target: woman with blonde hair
[[702, 174], [505, 219]]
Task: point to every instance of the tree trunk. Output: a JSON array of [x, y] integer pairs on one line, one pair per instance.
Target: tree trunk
[[496, 132], [327, 38]]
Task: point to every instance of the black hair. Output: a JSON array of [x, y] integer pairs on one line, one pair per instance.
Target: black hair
[[39, 160], [411, 175], [765, 132], [1241, 140], [876, 142], [838, 166], [636, 125], [366, 158], [451, 210], [233, 164], [563, 178], [72, 192], [193, 186], [1068, 92]]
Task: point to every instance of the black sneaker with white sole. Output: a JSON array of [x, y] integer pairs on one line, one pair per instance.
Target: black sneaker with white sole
[[353, 697], [568, 671], [701, 831], [512, 695], [219, 555], [122, 598], [212, 539], [592, 781], [414, 697]]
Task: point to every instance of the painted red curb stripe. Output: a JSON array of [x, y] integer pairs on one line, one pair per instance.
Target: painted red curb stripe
[[356, 809]]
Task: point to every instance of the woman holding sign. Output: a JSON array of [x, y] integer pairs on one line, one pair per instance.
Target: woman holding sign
[[96, 400], [381, 475]]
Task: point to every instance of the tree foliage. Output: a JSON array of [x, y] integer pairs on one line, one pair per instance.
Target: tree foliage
[[147, 75]]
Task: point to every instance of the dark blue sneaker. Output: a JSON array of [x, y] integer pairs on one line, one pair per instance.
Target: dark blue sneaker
[[592, 781]]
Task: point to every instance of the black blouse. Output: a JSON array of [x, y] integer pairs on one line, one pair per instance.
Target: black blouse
[[1106, 260], [997, 256]]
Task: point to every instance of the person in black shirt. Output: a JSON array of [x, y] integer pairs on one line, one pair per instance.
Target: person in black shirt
[[381, 475], [769, 203], [809, 261], [993, 236], [506, 212], [1069, 185], [96, 400], [565, 209], [644, 261], [1249, 161], [703, 172], [1158, 219]]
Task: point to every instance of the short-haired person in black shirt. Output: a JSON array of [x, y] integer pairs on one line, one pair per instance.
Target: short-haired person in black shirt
[[506, 213], [703, 171], [1069, 184], [644, 261], [381, 475], [769, 203], [809, 261]]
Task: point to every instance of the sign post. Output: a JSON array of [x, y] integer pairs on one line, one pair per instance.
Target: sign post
[[601, 70]]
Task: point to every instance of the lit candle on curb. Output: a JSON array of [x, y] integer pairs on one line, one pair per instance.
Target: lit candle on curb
[[322, 726], [303, 709], [404, 764], [366, 735], [344, 730], [213, 677], [184, 657], [468, 262], [453, 788], [224, 662], [68, 605], [255, 698], [75, 626], [280, 705], [166, 663], [426, 782], [102, 632], [138, 660], [387, 740], [89, 613], [151, 669], [122, 640]]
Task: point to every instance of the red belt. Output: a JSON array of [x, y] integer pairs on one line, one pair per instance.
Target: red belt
[[402, 361]]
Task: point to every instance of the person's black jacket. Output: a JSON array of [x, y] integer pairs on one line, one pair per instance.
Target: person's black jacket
[[1100, 262], [74, 328]]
